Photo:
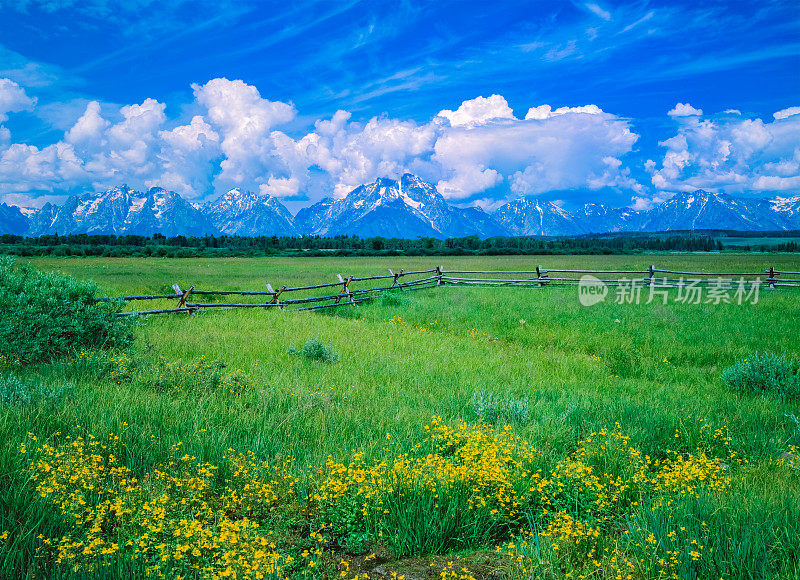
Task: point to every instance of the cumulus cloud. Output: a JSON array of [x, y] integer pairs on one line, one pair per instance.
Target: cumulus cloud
[[541, 153], [186, 154], [731, 154], [353, 153], [13, 99], [479, 151], [244, 120], [786, 113], [478, 111], [89, 129], [685, 110], [545, 111]]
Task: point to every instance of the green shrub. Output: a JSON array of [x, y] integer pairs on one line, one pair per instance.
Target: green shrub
[[199, 375], [764, 373], [316, 350], [18, 392], [44, 316], [394, 298], [494, 408]]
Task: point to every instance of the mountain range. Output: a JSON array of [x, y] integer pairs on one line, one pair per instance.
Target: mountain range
[[408, 207]]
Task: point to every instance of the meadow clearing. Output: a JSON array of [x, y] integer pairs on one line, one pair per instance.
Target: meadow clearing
[[456, 433]]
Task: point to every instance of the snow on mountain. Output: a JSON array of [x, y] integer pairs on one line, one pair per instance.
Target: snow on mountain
[[244, 213], [703, 210], [121, 211], [408, 207], [530, 216], [599, 218], [789, 209], [13, 220]]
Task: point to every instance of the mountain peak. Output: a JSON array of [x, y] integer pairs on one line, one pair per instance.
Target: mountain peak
[[387, 207], [246, 213]]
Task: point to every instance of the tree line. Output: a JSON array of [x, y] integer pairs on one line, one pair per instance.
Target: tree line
[[224, 246]]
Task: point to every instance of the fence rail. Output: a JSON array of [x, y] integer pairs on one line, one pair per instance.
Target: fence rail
[[420, 280]]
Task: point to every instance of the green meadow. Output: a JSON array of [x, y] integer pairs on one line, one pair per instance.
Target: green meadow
[[593, 442]]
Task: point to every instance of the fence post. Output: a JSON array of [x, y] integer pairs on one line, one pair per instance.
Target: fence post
[[652, 271], [439, 275], [345, 290], [183, 296], [275, 295], [539, 275], [396, 276], [771, 278]]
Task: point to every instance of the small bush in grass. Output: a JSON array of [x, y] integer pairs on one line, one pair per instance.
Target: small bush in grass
[[199, 375], [493, 408], [18, 392], [764, 373], [44, 316], [394, 298], [317, 350]]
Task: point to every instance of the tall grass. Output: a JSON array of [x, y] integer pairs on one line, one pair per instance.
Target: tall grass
[[657, 372]]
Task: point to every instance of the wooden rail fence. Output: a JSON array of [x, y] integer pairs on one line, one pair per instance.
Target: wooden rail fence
[[344, 294]]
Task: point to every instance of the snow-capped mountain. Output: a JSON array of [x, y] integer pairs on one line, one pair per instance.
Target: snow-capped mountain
[[599, 218], [685, 211], [789, 209], [12, 220], [530, 216], [120, 211], [244, 213], [408, 207], [704, 210]]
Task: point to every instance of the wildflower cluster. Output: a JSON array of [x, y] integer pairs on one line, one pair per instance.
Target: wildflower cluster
[[399, 321], [459, 487], [476, 334], [177, 520], [586, 500], [8, 362]]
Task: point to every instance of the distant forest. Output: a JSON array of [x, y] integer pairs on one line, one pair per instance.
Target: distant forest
[[232, 246]]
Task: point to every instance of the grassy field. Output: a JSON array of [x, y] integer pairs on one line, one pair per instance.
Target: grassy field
[[625, 455]]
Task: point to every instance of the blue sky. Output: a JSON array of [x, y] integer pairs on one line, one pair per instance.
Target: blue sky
[[203, 96]]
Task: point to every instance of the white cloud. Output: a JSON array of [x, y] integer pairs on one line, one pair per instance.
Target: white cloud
[[478, 111], [731, 154], [685, 110], [563, 151], [244, 121], [280, 186], [545, 111], [27, 168], [597, 10], [786, 113], [89, 129], [13, 99], [355, 153], [185, 156], [236, 140], [480, 150]]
